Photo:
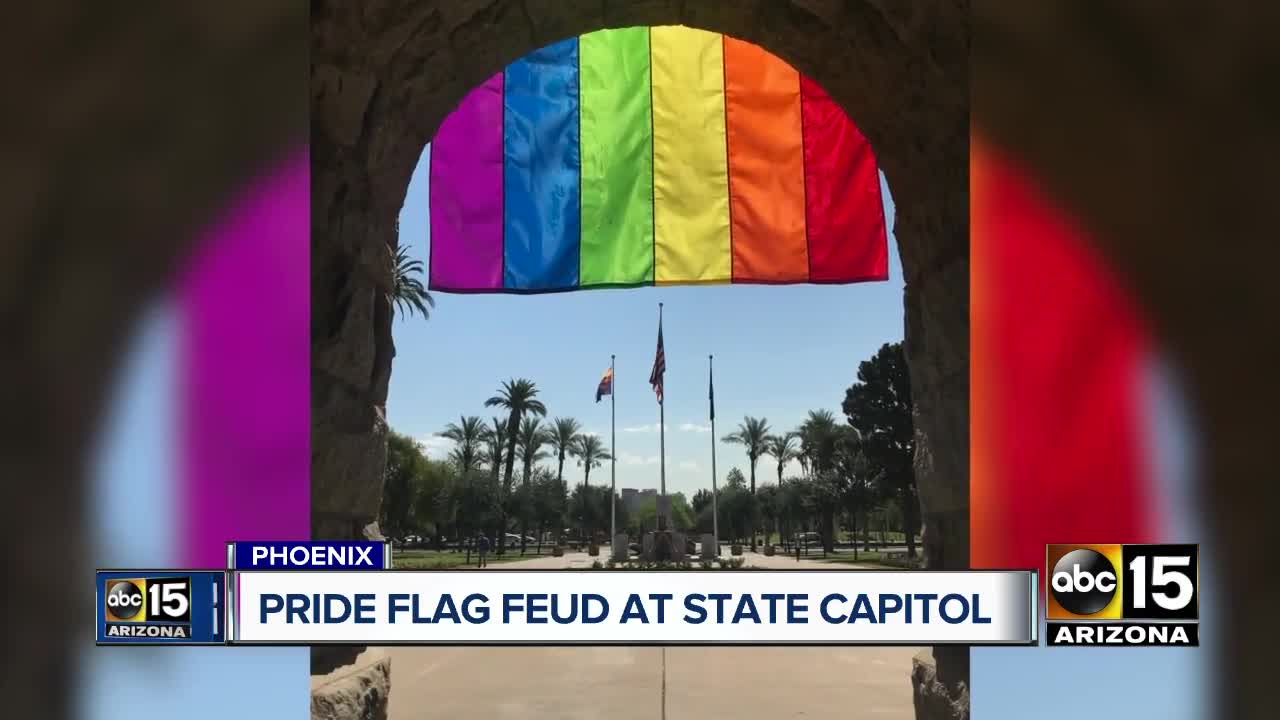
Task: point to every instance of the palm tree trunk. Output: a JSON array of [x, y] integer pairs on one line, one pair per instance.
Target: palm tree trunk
[[752, 511], [586, 504], [910, 513], [854, 516], [524, 508], [782, 509], [513, 425]]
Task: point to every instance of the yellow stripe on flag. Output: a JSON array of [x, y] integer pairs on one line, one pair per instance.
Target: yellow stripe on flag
[[690, 171]]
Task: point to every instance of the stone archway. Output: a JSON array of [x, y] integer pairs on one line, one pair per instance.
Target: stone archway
[[384, 76]]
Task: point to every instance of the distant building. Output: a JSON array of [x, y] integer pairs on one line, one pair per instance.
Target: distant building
[[632, 498]]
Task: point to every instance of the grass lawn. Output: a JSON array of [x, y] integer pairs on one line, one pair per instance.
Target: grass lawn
[[893, 538], [873, 557], [448, 559]]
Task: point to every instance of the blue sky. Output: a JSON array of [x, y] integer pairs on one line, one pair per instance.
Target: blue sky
[[779, 352]]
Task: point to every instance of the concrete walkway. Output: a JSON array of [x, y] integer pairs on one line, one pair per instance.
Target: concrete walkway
[[678, 683]]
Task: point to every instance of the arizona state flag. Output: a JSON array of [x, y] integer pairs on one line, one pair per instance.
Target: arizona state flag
[[606, 385]]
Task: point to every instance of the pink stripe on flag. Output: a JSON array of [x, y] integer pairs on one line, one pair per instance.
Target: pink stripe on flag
[[467, 193], [244, 353]]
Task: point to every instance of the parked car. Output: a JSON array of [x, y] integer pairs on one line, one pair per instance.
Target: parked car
[[808, 538], [513, 539]]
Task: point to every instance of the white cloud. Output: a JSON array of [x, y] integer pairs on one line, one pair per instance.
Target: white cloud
[[688, 465], [590, 433], [695, 427], [643, 428], [627, 458], [436, 447]]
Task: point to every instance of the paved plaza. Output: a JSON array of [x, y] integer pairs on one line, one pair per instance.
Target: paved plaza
[[678, 683]]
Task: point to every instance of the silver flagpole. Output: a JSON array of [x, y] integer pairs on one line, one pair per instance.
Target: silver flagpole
[[613, 452], [715, 513]]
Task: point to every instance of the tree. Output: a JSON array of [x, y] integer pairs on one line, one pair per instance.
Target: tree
[[752, 434], [590, 453], [562, 436], [407, 291], [531, 439], [701, 499], [784, 449], [519, 398], [879, 406], [591, 503], [824, 497], [855, 473], [646, 515], [550, 502], [433, 498], [495, 441], [793, 501], [405, 464], [478, 506], [817, 441], [467, 435], [768, 500]]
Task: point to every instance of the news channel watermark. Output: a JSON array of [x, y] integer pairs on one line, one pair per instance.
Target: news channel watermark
[[1123, 595], [169, 607]]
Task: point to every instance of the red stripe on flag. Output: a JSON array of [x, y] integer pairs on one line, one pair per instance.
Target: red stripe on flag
[[1058, 348], [844, 213]]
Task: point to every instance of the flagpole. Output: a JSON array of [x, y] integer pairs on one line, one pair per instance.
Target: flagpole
[[715, 513], [613, 453], [662, 424]]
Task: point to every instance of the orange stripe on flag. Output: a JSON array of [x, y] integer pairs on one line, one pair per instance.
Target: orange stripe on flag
[[766, 165]]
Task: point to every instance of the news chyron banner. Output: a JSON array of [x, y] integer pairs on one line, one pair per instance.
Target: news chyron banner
[[315, 593], [623, 607], [1117, 595]]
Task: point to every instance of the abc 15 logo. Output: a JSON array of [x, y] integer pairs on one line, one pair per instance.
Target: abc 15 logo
[[1123, 582], [148, 600]]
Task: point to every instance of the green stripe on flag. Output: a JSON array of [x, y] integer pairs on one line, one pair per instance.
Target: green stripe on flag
[[617, 158]]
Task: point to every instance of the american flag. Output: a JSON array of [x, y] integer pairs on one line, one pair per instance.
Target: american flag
[[659, 366]]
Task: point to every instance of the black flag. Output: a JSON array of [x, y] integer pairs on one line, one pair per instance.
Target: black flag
[[711, 391]]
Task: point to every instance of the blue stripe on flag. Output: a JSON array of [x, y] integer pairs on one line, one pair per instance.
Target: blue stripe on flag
[[542, 171]]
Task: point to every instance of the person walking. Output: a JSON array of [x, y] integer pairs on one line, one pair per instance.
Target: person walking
[[483, 546]]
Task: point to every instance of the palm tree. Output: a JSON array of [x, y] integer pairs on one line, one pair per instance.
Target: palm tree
[[562, 436], [519, 397], [752, 433], [855, 473], [783, 448], [531, 438], [467, 436], [495, 439], [817, 440], [591, 454], [407, 292]]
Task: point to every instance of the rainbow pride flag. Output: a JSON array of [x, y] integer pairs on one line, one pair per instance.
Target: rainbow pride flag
[[651, 156]]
